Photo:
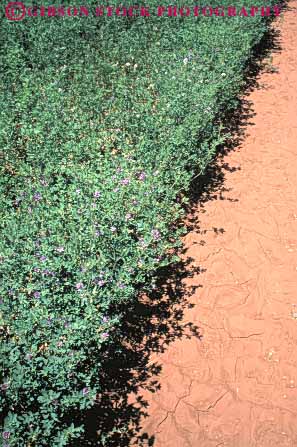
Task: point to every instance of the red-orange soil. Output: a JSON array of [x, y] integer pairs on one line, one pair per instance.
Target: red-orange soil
[[237, 386]]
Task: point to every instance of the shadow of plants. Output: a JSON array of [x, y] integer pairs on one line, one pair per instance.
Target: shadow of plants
[[148, 328]]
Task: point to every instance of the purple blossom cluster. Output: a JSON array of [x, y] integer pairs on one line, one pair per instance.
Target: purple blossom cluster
[[85, 391], [142, 243], [156, 235], [100, 280], [142, 176], [37, 197], [98, 232], [125, 181], [50, 320], [44, 182], [79, 286], [4, 386], [45, 272]]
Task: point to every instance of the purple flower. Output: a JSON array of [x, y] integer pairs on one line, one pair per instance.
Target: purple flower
[[97, 194], [60, 249], [135, 202], [142, 176], [59, 344], [4, 386], [43, 258], [105, 319], [128, 216], [125, 181], [79, 286], [105, 335], [142, 243], [85, 391], [98, 233], [37, 295], [37, 197], [156, 235], [113, 229], [6, 435], [121, 285], [98, 281], [44, 182], [119, 170]]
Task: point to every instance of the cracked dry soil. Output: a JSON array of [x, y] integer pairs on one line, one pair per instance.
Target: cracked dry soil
[[237, 385]]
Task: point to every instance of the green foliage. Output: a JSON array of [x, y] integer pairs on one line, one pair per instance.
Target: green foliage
[[104, 121]]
